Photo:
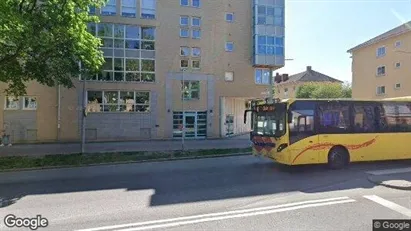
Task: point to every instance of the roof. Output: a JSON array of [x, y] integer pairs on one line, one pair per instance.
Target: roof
[[311, 76], [404, 28]]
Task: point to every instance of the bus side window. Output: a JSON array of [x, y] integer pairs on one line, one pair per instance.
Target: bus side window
[[334, 118], [364, 118]]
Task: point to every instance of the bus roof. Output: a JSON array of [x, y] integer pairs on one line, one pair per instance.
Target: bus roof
[[290, 100]]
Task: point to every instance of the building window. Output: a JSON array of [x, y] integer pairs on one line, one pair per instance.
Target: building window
[[269, 45], [148, 9], [397, 65], [195, 64], [195, 3], [380, 51], [184, 51], [229, 46], [118, 101], [92, 10], [397, 86], [12, 103], [128, 52], [196, 21], [229, 76], [381, 71], [29, 103], [196, 34], [183, 20], [196, 52], [381, 90], [128, 8], [262, 76], [184, 33], [229, 17], [267, 15], [191, 89], [109, 8], [184, 2], [285, 92], [398, 44], [184, 63]]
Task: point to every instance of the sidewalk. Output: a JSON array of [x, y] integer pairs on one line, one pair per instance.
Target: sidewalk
[[149, 145], [397, 179]]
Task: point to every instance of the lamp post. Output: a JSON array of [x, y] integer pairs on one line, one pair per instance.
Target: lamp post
[[182, 110], [83, 114]]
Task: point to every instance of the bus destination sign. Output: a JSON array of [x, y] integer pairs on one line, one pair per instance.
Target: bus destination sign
[[263, 108]]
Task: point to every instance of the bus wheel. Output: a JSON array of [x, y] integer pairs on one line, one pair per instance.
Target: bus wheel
[[338, 158]]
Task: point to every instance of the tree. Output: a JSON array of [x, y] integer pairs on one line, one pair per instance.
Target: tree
[[318, 90], [44, 41]]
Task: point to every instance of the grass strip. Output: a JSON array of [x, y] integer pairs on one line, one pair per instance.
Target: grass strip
[[73, 160]]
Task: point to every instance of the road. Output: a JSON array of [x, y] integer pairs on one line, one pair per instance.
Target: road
[[232, 193]]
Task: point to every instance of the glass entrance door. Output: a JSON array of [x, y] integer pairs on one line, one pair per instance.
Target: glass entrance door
[[190, 124], [195, 123]]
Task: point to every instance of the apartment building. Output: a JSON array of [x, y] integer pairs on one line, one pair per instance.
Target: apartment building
[[381, 66], [172, 64], [286, 86]]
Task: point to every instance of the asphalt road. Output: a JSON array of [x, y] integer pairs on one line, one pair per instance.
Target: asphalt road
[[233, 193]]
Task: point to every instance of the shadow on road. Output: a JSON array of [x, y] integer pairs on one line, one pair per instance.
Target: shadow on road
[[248, 176]]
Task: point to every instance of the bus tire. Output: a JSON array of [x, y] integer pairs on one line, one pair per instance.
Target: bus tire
[[338, 157]]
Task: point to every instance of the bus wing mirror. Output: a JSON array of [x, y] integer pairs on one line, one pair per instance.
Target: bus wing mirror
[[290, 117]]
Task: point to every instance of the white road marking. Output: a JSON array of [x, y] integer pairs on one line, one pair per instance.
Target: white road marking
[[390, 171], [227, 215], [174, 224], [390, 205]]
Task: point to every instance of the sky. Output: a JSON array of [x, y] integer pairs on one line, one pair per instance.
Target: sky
[[319, 32]]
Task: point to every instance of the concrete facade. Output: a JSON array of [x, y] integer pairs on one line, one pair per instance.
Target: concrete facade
[[381, 66], [159, 73]]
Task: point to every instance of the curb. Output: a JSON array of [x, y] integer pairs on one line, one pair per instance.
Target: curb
[[125, 162], [393, 186]]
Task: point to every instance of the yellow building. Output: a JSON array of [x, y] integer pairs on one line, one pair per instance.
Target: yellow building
[[220, 52], [286, 86], [381, 66]]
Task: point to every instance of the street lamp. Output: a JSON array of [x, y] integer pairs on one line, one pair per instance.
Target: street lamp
[[182, 107]]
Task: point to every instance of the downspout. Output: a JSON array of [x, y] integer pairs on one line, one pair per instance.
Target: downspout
[[58, 111]]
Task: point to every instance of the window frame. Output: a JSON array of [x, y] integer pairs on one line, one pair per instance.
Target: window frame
[[188, 63], [383, 68], [124, 39], [144, 8], [195, 18], [184, 29], [182, 49], [399, 44], [188, 20], [397, 86], [199, 33], [109, 5], [381, 55], [190, 90], [199, 64], [195, 48], [232, 17], [263, 71], [188, 3], [192, 3], [130, 7], [232, 76], [226, 46], [395, 65], [18, 99], [24, 103], [380, 87], [119, 104]]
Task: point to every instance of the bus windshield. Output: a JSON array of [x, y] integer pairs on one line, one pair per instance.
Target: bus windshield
[[270, 123]]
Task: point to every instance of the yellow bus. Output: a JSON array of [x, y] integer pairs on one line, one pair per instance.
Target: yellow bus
[[331, 131]]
